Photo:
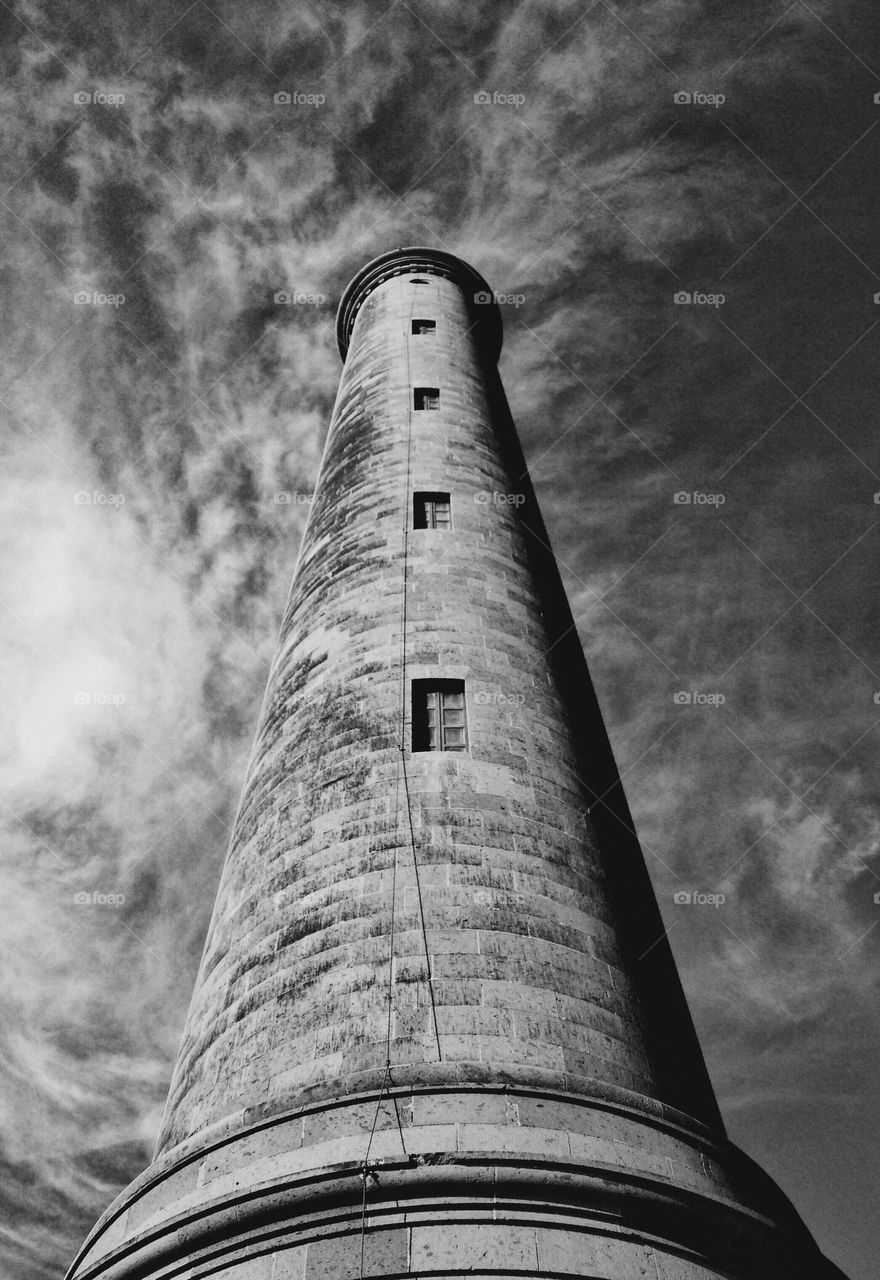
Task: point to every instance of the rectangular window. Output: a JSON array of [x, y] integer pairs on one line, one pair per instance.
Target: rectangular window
[[438, 719], [426, 397], [424, 326], [432, 511]]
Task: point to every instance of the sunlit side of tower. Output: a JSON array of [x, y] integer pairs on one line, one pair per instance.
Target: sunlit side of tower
[[437, 1028]]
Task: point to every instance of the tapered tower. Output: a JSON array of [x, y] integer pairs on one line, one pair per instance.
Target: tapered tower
[[437, 1028]]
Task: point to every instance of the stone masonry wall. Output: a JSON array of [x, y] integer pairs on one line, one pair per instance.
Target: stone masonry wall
[[425, 1040], [294, 987]]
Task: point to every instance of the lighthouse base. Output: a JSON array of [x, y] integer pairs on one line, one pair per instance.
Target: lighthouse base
[[419, 1178]]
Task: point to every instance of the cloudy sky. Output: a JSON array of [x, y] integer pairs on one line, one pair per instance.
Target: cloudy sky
[[147, 562]]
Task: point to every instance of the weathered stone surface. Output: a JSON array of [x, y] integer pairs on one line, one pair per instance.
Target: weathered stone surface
[[425, 1038], [295, 981]]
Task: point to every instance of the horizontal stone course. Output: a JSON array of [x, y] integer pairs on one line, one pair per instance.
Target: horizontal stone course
[[454, 1231]]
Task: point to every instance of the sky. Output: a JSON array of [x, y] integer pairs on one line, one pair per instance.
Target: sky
[[676, 201]]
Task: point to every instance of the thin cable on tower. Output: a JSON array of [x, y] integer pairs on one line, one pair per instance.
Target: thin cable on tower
[[412, 835], [401, 767], [365, 1170], [422, 912]]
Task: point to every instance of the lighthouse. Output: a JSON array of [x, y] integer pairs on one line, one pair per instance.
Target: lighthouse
[[437, 1029]]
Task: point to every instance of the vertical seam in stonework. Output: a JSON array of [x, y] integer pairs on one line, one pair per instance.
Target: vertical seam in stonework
[[403, 689], [401, 767]]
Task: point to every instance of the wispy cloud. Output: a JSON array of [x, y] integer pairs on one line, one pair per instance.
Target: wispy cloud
[[183, 411]]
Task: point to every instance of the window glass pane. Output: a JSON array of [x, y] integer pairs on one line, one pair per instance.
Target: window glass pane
[[438, 715], [426, 397], [432, 511]]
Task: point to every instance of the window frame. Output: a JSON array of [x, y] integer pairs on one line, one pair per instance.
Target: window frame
[[436, 717], [425, 510], [426, 399]]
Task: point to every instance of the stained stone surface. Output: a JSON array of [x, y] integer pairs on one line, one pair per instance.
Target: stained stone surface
[[437, 1029]]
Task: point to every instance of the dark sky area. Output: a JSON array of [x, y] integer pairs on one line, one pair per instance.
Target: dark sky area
[[146, 559]]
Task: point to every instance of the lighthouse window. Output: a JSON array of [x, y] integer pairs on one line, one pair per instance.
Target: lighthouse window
[[438, 717], [417, 280], [432, 511], [426, 397], [424, 326]]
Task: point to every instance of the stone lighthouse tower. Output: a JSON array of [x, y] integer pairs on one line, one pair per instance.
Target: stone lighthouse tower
[[437, 1029]]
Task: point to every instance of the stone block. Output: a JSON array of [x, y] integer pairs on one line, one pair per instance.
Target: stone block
[[481, 1247], [339, 1257]]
